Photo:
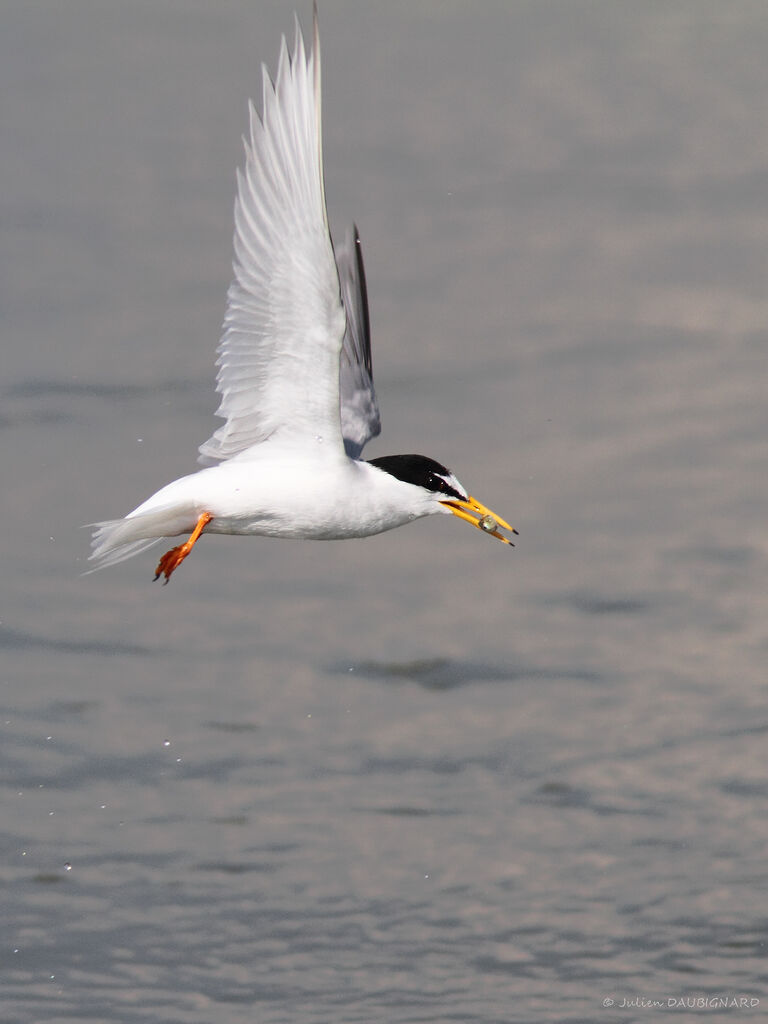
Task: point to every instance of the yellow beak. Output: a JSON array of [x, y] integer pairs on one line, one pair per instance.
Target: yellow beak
[[473, 512]]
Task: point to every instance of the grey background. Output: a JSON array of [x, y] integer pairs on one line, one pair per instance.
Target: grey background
[[418, 777]]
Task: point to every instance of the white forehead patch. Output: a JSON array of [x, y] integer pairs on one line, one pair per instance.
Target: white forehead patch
[[453, 483]]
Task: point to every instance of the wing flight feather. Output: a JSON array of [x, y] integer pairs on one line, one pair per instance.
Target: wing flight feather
[[360, 420], [278, 358]]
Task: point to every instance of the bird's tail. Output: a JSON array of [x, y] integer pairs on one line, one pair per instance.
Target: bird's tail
[[117, 539]]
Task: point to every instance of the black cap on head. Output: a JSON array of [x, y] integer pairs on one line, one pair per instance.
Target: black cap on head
[[421, 471]]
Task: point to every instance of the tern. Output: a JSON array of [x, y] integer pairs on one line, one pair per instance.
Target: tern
[[294, 368]]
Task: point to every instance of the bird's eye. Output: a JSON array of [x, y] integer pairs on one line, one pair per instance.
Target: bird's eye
[[439, 483]]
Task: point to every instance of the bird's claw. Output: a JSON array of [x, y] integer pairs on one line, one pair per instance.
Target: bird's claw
[[171, 560]]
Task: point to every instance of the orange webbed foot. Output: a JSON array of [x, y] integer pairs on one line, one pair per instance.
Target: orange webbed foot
[[172, 559]]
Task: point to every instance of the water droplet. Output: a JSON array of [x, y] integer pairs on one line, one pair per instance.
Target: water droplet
[[488, 524], [166, 743], [67, 866]]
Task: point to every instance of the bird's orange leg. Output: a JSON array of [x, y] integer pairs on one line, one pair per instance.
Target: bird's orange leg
[[172, 559]]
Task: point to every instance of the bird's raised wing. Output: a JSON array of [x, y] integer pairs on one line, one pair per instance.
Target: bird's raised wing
[[360, 420], [279, 353]]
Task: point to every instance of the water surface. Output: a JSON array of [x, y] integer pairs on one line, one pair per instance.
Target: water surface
[[418, 777]]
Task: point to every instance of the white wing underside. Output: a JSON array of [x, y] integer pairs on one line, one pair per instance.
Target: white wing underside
[[284, 325]]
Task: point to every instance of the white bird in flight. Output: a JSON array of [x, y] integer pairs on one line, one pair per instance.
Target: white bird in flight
[[294, 369]]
